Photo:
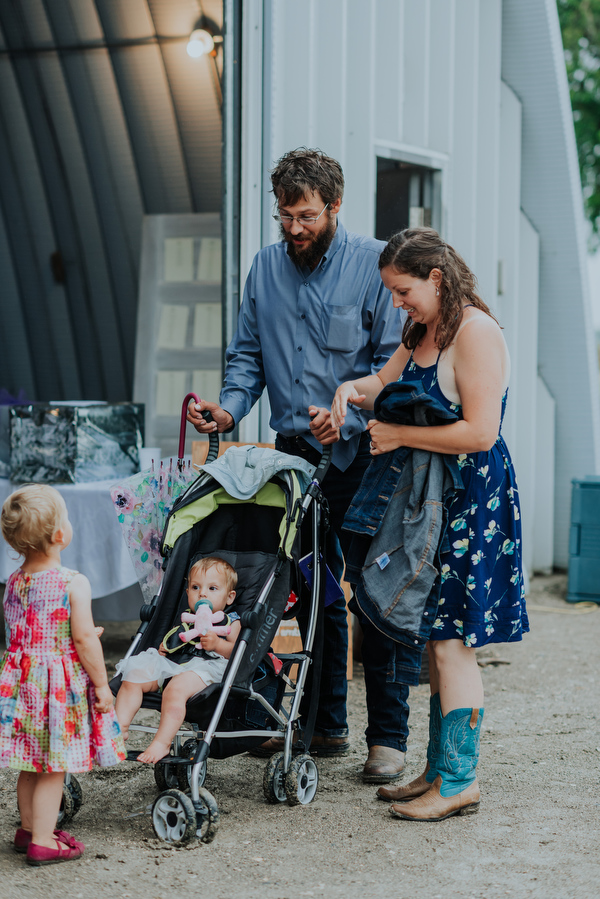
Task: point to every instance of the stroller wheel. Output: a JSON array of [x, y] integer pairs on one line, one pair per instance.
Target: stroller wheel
[[184, 776], [174, 817], [184, 772], [67, 809], [165, 776], [72, 800], [273, 779], [302, 780], [207, 817], [76, 792]]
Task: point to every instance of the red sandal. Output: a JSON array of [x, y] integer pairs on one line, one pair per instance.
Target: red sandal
[[23, 839], [42, 855]]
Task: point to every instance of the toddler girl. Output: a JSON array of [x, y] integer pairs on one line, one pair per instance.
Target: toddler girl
[[56, 710], [191, 669]]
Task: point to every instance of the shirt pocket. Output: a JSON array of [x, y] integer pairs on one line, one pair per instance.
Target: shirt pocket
[[340, 327]]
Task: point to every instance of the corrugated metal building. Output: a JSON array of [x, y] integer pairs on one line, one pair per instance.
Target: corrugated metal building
[[469, 96], [454, 112]]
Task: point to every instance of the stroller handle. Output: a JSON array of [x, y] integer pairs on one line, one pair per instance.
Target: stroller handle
[[213, 438], [324, 464]]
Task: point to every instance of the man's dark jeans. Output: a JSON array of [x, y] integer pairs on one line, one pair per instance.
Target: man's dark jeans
[[386, 698]]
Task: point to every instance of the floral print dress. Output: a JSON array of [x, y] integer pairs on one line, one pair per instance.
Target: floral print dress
[[47, 718], [482, 593]]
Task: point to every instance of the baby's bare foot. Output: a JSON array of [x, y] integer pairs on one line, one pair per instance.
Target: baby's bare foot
[[154, 753]]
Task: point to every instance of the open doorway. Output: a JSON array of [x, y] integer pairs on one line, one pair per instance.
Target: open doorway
[[408, 196]]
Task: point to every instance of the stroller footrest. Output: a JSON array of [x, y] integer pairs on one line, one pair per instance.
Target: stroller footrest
[[236, 690], [132, 756], [292, 656]]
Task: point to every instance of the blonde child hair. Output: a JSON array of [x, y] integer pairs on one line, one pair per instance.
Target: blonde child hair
[[221, 565], [30, 518]]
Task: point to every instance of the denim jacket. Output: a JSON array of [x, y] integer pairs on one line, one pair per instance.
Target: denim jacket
[[398, 517]]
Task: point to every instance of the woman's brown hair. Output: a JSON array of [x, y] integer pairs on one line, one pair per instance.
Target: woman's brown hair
[[416, 251]]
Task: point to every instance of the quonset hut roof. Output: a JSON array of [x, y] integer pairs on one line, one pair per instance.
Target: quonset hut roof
[[103, 118]]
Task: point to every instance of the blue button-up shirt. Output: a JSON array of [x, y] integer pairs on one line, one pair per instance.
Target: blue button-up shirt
[[301, 333]]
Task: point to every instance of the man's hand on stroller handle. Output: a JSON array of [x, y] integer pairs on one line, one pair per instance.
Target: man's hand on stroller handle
[[222, 420]]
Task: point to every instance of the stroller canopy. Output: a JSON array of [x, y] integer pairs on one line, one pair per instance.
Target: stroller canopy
[[288, 477]]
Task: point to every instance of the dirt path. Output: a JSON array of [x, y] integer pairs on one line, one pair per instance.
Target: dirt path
[[536, 834]]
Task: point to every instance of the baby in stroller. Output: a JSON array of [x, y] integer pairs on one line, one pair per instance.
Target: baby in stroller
[[188, 667]]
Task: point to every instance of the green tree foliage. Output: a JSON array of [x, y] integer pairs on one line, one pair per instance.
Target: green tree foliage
[[580, 24]]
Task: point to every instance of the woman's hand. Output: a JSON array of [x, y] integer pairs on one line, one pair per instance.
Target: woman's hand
[[162, 649], [346, 393], [385, 437]]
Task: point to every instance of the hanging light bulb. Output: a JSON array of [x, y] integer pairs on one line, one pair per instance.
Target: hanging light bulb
[[200, 42]]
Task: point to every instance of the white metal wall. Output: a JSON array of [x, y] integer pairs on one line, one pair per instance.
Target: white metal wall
[[420, 80], [533, 65], [417, 77], [414, 79]]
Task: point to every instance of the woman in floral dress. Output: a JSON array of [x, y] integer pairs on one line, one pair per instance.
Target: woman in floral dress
[[453, 344]]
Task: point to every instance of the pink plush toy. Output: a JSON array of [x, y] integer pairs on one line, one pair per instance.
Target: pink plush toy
[[203, 620]]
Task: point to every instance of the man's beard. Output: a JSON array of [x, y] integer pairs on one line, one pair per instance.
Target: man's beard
[[316, 249]]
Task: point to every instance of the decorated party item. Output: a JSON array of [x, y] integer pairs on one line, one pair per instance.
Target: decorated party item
[[142, 503], [68, 443]]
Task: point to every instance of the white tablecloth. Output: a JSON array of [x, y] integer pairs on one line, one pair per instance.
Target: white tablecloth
[[98, 549]]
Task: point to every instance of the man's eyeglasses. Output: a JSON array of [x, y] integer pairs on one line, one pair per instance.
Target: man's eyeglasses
[[286, 219]]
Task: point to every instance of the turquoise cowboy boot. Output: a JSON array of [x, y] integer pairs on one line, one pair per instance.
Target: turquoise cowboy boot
[[420, 784], [454, 790]]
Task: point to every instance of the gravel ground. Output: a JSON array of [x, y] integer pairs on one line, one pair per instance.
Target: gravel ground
[[536, 834]]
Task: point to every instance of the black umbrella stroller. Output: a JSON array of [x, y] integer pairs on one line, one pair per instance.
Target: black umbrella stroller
[[260, 538]]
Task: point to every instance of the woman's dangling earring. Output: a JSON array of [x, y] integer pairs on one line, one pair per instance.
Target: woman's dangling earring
[[437, 291]]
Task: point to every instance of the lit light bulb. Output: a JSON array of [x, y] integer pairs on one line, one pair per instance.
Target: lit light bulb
[[200, 42]]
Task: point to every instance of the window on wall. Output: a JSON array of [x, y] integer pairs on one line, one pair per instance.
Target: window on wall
[[408, 196]]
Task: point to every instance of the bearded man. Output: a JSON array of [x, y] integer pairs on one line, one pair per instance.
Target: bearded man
[[315, 313]]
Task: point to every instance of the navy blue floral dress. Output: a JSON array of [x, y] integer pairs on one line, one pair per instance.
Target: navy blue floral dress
[[482, 594]]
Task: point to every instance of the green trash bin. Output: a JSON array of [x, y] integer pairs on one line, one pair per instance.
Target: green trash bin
[[584, 541]]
